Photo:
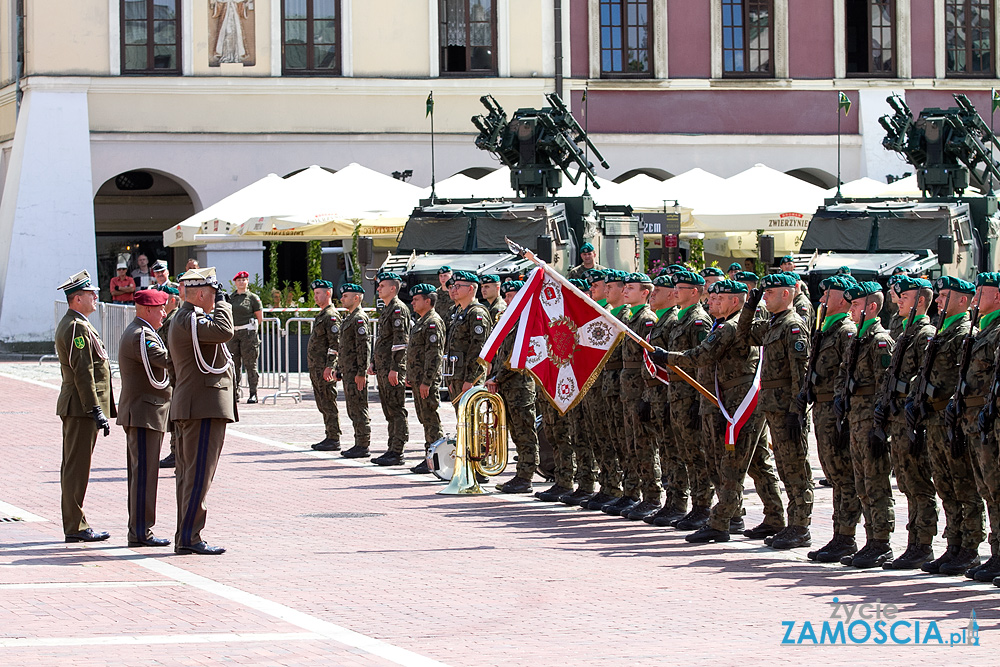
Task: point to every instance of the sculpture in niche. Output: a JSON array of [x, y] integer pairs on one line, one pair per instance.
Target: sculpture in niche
[[231, 32]]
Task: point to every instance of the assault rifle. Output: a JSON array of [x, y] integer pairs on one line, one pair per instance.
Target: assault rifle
[[956, 406], [807, 394], [988, 413], [918, 413], [843, 428], [887, 403]]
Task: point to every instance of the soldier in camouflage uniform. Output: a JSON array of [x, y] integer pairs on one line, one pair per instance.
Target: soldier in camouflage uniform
[[689, 331], [389, 365], [913, 470], [892, 312], [830, 349], [802, 305], [733, 364], [423, 366], [444, 301], [324, 344], [587, 262], [954, 479], [985, 453], [248, 317], [517, 390], [855, 400], [581, 444], [352, 366], [489, 287], [468, 330], [785, 354]]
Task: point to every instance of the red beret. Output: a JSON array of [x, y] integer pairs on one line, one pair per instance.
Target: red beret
[[150, 297], [241, 274]]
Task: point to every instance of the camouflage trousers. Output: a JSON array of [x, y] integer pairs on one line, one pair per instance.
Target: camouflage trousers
[[616, 420], [672, 468], [986, 461], [357, 409], [245, 348], [326, 401], [393, 400], [583, 451], [645, 451], [871, 479], [519, 404], [558, 429], [913, 477], [791, 458], [609, 474], [838, 469], [426, 410], [685, 422], [955, 483]]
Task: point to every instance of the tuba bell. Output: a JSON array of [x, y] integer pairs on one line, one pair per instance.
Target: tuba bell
[[481, 442]]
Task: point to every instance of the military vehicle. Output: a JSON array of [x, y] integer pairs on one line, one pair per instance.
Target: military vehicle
[[540, 146], [946, 232]]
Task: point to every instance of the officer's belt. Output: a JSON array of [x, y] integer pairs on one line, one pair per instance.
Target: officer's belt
[[975, 401], [825, 398], [867, 390], [935, 406], [674, 377], [774, 384], [653, 382], [735, 382], [613, 366], [631, 364], [242, 327]]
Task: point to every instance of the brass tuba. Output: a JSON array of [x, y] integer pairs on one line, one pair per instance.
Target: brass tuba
[[481, 442]]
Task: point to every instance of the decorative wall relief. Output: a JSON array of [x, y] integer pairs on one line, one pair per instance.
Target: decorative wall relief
[[231, 32]]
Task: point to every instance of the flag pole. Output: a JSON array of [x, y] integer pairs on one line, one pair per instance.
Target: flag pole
[[993, 108], [430, 112], [586, 146], [838, 196], [521, 251]]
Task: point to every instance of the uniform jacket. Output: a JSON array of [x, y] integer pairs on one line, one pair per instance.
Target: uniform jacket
[[324, 341], [355, 345], [514, 382], [832, 351], [443, 304], [804, 308], [391, 337], [785, 351], [874, 356], [426, 347], [468, 331], [199, 395], [632, 365], [86, 374], [981, 366], [656, 392], [910, 365], [690, 330], [496, 310], [578, 270], [611, 385], [141, 404], [944, 371], [244, 306]]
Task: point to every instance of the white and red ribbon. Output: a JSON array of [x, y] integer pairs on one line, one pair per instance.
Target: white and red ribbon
[[737, 420]]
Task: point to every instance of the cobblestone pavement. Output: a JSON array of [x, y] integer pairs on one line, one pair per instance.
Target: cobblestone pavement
[[332, 562]]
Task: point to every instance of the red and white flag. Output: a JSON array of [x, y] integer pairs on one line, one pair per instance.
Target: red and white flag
[[563, 336], [743, 411], [654, 370]]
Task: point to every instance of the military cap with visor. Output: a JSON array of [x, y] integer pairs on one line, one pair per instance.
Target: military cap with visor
[[78, 282]]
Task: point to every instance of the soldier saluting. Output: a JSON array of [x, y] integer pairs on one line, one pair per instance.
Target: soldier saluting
[[143, 412], [203, 402], [85, 402]]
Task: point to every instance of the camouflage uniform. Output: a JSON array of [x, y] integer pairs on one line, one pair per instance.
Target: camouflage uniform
[[896, 326], [804, 309], [580, 271], [732, 363], [423, 366], [321, 353], [609, 475], [672, 467], [353, 361], [611, 389], [985, 454], [871, 473], [389, 355], [645, 456], [581, 439], [518, 393], [443, 305], [953, 476], [245, 343], [688, 332], [496, 310], [559, 432], [467, 332], [838, 332], [785, 354]]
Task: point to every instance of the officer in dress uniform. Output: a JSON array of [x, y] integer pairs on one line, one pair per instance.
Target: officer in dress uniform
[[173, 301], [143, 412], [203, 402], [321, 354], [423, 366], [489, 286], [389, 365], [248, 318], [444, 301], [352, 366], [85, 402]]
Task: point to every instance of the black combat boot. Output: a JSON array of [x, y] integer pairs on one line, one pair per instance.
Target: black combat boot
[[737, 526], [356, 452], [615, 507], [421, 468], [792, 537], [552, 494], [874, 554], [327, 445], [707, 534], [988, 571], [934, 566], [835, 549], [667, 516], [695, 519], [389, 459], [576, 497], [914, 556], [516, 485], [597, 501], [168, 461], [962, 561], [642, 510], [763, 531], [253, 397]]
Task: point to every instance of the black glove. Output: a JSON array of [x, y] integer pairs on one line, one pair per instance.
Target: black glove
[[986, 418], [801, 402], [694, 415], [644, 410], [101, 421], [839, 407], [950, 415], [659, 356], [912, 415], [794, 426], [879, 413], [221, 295], [753, 298], [877, 443]]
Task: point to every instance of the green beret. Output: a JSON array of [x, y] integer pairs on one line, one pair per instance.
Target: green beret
[[674, 268], [735, 266], [593, 275], [892, 279], [614, 276], [838, 283], [710, 271], [169, 289], [955, 284], [587, 247], [786, 258], [387, 275], [908, 284], [747, 277], [989, 279], [793, 275], [898, 270], [688, 278], [352, 287], [777, 280], [422, 289], [860, 290], [321, 284], [665, 280], [640, 278], [444, 269], [844, 271], [490, 279], [466, 276], [727, 287], [579, 284], [511, 286]]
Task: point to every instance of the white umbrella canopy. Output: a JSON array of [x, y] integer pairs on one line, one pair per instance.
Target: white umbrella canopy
[[863, 187], [458, 186], [496, 185]]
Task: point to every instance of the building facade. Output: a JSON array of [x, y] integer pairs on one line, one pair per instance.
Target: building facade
[[119, 118]]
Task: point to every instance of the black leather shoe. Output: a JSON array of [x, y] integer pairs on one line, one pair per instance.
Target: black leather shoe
[[667, 516], [421, 468], [762, 531], [874, 554], [597, 501], [642, 510], [695, 519], [552, 494], [150, 542], [962, 561], [200, 548], [88, 536], [388, 459], [792, 537], [707, 534], [914, 556], [327, 445], [988, 571], [252, 399], [576, 497], [934, 566], [835, 549], [736, 526], [356, 452], [167, 461], [516, 485]]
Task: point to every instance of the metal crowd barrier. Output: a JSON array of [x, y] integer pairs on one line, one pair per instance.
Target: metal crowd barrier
[[110, 320]]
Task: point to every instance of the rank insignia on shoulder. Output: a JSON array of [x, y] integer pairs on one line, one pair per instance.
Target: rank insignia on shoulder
[[79, 342]]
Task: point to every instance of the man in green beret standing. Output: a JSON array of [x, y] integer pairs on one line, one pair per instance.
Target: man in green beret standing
[[802, 305], [489, 287], [467, 332], [444, 301], [786, 264], [423, 366], [248, 320], [321, 354], [389, 365], [352, 366], [588, 260], [85, 402]]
